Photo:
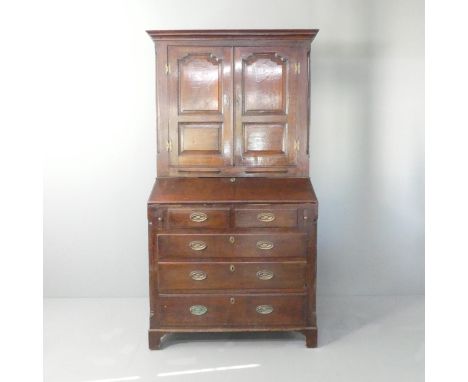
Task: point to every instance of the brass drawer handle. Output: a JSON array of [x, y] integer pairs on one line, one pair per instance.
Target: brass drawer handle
[[266, 217], [198, 310], [198, 275], [265, 275], [197, 245], [264, 309], [198, 217], [265, 244]]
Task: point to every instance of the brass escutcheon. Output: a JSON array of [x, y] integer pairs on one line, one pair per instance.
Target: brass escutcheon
[[231, 239], [266, 217], [198, 217], [232, 300], [198, 310], [264, 309], [197, 245], [265, 244], [232, 268], [265, 274], [198, 275]]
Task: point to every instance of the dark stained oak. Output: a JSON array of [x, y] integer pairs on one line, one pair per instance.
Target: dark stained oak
[[231, 275], [198, 217], [236, 245], [232, 309], [232, 217], [232, 103], [232, 190]]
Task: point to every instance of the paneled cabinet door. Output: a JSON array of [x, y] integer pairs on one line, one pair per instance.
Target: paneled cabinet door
[[200, 108], [265, 88]]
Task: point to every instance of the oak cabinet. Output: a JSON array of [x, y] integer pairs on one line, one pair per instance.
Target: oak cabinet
[[232, 215]]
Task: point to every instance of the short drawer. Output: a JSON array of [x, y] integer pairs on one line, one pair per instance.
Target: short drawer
[[235, 275], [266, 217], [236, 245], [231, 310], [198, 217]]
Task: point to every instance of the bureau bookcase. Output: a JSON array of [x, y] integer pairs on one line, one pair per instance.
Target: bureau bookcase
[[232, 216]]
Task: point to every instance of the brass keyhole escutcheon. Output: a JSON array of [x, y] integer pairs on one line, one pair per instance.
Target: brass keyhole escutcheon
[[232, 268], [232, 300], [231, 239]]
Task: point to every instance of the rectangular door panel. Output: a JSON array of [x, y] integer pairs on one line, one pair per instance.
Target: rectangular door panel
[[200, 90], [265, 82]]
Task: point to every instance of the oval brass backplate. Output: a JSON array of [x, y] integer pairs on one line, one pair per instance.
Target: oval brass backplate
[[198, 275], [197, 245], [198, 217], [265, 275], [265, 244], [232, 268], [198, 310], [264, 309], [266, 217]]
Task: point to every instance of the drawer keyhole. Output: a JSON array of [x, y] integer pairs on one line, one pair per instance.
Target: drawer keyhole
[[232, 300], [232, 268], [231, 239]]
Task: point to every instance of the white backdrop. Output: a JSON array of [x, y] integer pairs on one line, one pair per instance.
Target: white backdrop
[[367, 137]]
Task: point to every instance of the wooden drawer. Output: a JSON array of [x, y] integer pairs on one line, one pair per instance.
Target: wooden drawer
[[266, 217], [268, 245], [198, 217], [199, 246], [235, 275], [231, 310]]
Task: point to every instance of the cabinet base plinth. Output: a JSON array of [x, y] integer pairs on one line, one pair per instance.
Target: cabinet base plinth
[[155, 335]]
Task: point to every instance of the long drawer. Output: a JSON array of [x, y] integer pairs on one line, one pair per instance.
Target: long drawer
[[231, 275], [230, 310], [195, 246]]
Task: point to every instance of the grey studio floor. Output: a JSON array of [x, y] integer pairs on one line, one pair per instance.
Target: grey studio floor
[[361, 338]]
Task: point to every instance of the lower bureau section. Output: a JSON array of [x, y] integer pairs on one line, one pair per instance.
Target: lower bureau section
[[249, 311]]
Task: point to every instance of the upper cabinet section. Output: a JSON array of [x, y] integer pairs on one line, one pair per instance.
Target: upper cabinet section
[[232, 103]]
